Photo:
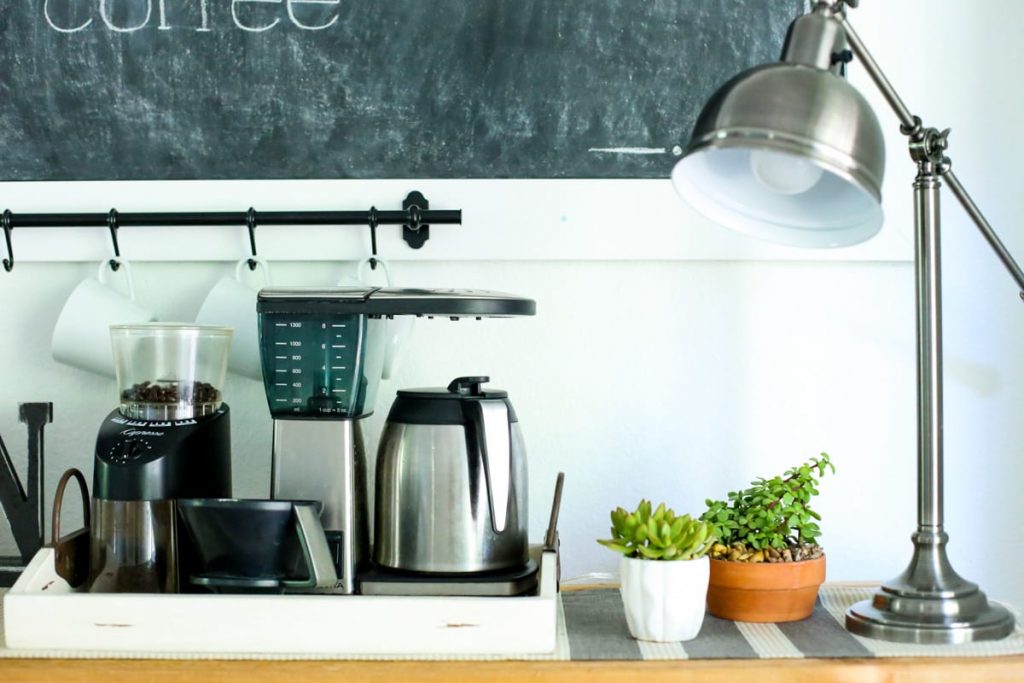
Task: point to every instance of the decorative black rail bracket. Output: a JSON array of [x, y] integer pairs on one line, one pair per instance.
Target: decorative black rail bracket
[[417, 231]]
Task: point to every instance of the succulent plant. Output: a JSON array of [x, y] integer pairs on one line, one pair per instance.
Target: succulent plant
[[771, 521], [658, 534]]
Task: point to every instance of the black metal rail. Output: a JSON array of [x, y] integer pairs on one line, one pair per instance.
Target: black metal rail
[[416, 218]]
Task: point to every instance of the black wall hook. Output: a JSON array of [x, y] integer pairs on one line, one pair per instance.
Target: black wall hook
[[374, 221], [8, 262], [112, 225], [250, 222]]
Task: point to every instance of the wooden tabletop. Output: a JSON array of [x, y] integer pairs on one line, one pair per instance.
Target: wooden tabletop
[[989, 670]]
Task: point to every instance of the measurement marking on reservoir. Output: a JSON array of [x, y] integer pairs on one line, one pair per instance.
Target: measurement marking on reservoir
[[339, 325], [281, 324], [338, 346], [280, 371], [338, 367], [340, 391], [280, 343], [281, 357]]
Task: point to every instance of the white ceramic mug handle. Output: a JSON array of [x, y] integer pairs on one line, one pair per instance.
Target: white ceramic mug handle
[[361, 273], [105, 266], [260, 264]]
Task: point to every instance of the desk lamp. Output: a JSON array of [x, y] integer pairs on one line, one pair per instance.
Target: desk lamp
[[792, 153]]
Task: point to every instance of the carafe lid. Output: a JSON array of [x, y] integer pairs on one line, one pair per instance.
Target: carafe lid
[[444, 405]]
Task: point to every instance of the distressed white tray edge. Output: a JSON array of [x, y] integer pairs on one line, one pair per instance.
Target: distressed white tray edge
[[42, 612]]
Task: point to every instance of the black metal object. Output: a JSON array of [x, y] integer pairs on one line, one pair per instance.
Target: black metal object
[[112, 225], [416, 231], [842, 58], [8, 262], [415, 217], [374, 221], [250, 222], [24, 505]]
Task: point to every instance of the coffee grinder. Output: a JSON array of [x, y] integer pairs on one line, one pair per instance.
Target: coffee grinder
[[169, 438], [322, 352]]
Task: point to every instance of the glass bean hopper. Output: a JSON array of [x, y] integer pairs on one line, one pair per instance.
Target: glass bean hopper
[[170, 371]]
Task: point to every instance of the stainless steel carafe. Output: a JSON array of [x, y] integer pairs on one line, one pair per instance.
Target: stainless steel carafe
[[451, 488]]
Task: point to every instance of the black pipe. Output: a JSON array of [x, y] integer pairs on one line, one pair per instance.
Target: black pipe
[[236, 218], [415, 218]]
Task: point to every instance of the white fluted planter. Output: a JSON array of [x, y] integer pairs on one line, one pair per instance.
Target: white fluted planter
[[664, 601]]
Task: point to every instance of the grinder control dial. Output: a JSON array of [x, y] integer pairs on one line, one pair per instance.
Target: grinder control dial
[[129, 449]]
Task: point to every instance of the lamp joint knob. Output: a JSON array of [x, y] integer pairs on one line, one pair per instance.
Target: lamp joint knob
[[929, 145], [842, 57]]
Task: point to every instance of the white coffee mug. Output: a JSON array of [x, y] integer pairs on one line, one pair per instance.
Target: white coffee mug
[[232, 303], [81, 337], [397, 329]]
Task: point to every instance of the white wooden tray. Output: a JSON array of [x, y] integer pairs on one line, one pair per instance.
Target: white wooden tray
[[41, 611]]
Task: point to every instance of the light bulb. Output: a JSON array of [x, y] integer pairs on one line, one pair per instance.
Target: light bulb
[[784, 173]]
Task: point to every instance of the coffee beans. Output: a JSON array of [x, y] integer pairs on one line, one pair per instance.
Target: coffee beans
[[171, 392]]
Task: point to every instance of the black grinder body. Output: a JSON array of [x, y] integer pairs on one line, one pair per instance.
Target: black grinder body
[[141, 460]]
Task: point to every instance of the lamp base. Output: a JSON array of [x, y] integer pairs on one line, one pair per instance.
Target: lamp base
[[929, 603]]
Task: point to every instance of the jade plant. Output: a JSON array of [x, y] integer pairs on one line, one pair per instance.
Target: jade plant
[[772, 521], [658, 534]]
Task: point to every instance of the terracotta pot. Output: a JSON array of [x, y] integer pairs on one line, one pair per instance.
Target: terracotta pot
[[780, 591]]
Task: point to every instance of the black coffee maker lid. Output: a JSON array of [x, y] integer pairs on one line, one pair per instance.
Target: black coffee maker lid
[[444, 405], [455, 303]]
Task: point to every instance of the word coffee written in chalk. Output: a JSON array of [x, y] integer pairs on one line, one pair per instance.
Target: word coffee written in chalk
[[129, 16]]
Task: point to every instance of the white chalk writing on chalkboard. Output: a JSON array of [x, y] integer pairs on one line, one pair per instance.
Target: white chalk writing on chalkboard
[[57, 14]]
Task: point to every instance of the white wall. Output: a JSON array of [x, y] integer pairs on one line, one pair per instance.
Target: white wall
[[673, 379]]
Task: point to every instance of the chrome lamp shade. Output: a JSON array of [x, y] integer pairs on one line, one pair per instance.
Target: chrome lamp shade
[[791, 153], [788, 153]]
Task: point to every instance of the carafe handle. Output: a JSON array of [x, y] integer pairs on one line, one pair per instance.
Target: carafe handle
[[493, 436]]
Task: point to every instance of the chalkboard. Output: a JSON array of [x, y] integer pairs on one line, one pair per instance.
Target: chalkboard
[[168, 89]]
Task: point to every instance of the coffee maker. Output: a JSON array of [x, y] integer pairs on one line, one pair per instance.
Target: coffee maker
[[322, 353], [169, 438]]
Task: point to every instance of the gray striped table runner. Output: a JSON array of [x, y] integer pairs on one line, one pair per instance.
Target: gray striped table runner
[[596, 628]]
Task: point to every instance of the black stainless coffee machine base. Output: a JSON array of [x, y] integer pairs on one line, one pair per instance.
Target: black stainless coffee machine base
[[498, 584]]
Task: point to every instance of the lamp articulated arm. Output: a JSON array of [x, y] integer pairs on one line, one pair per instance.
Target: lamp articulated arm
[[927, 145]]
